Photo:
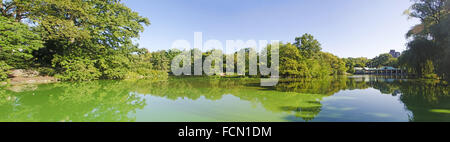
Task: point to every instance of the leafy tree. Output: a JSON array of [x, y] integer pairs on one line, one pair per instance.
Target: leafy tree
[[171, 53], [115, 66], [142, 68], [429, 40], [17, 42], [351, 63], [385, 59], [336, 64], [289, 57], [15, 9], [392, 62], [4, 70], [160, 60], [84, 40], [304, 59], [428, 70], [77, 68], [308, 45]]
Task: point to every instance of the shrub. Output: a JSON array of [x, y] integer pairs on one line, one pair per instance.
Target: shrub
[[147, 74], [46, 71], [78, 69], [4, 70], [114, 66]]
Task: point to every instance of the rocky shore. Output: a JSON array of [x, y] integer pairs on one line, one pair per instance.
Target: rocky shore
[[22, 76]]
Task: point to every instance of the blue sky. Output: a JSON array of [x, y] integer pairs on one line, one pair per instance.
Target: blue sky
[[347, 28]]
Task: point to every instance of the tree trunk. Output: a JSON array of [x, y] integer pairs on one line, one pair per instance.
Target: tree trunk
[[18, 15], [1, 6]]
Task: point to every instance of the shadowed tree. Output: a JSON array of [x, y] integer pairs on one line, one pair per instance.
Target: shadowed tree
[[429, 41]]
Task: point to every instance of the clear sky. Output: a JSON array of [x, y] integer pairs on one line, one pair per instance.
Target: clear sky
[[347, 28]]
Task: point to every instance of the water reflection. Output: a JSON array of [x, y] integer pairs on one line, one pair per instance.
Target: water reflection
[[295, 100], [86, 101]]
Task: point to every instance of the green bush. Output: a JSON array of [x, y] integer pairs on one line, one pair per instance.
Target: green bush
[[147, 74], [78, 69], [114, 66], [4, 70], [45, 71]]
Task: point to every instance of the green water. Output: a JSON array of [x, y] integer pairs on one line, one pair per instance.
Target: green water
[[356, 99]]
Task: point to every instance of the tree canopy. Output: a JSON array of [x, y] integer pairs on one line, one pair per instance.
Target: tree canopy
[[17, 42], [351, 63], [304, 58], [93, 39], [82, 40], [428, 49], [381, 60]]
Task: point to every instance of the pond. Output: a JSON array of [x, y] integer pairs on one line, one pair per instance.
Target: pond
[[354, 99]]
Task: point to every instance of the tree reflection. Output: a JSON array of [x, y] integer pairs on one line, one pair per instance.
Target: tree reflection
[[86, 101], [289, 98], [423, 98], [428, 100], [118, 100]]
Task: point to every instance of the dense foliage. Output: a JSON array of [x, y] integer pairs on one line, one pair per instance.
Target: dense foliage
[[351, 63], [428, 50], [4, 70], [304, 58], [82, 40], [17, 42], [89, 40], [383, 60]]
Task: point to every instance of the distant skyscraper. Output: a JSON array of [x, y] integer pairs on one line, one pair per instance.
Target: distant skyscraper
[[395, 54]]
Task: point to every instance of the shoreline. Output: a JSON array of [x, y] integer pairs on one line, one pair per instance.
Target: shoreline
[[50, 79], [29, 80], [27, 76]]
